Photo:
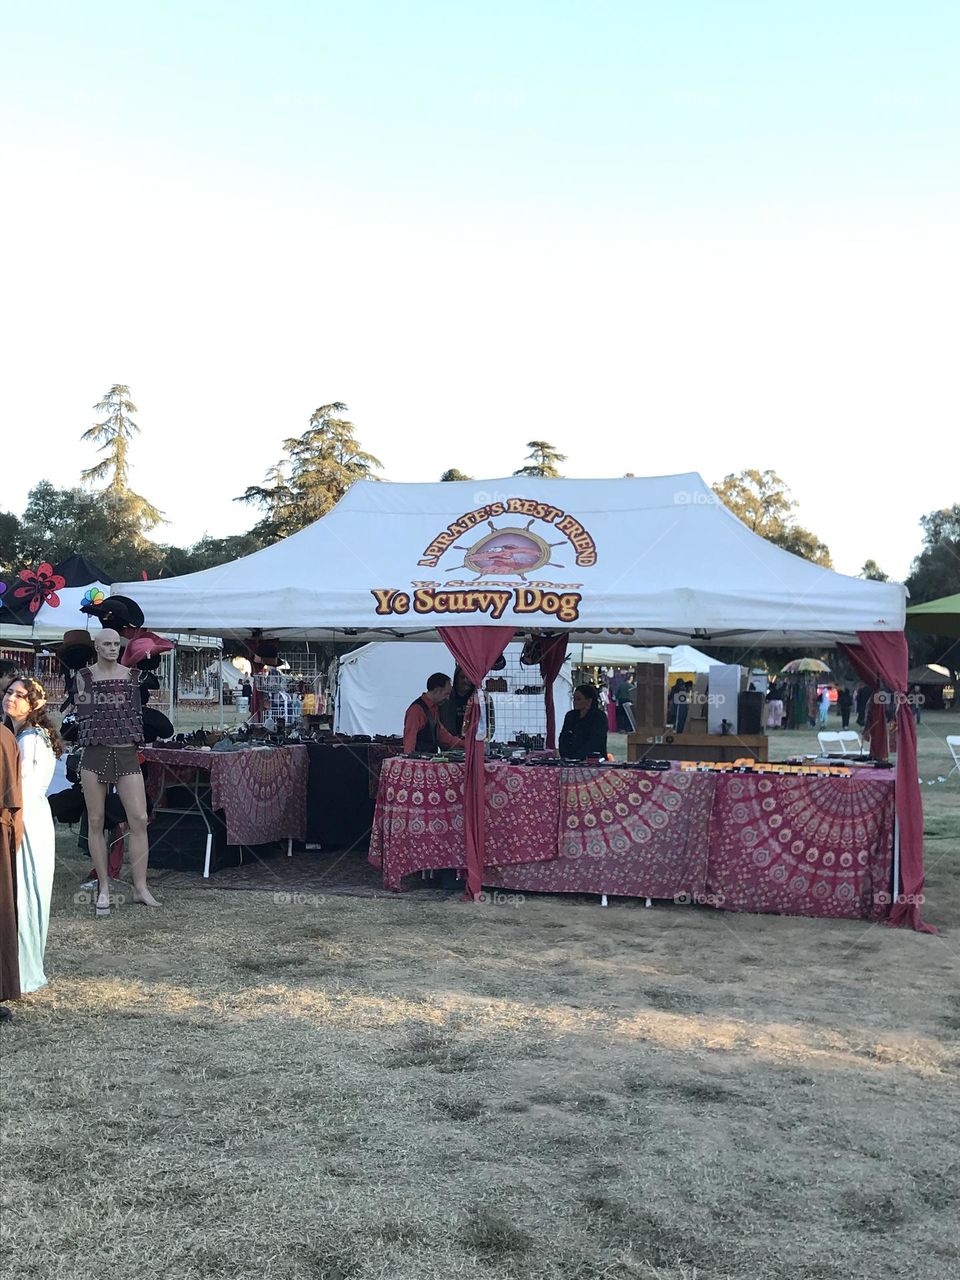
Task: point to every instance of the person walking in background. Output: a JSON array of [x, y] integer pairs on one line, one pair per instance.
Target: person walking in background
[[844, 705], [917, 700], [862, 699], [682, 701], [824, 707], [624, 696]]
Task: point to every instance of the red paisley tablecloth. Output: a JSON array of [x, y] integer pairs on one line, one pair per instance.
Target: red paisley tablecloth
[[626, 833], [792, 845], [803, 845], [418, 825], [263, 793]]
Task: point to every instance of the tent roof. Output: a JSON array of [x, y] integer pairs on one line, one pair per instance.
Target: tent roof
[[657, 560], [936, 617], [81, 572], [930, 674]]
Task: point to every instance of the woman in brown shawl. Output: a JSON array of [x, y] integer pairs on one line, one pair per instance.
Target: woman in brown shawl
[[11, 833]]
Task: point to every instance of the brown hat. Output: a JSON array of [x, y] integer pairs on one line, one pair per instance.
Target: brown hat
[[75, 650]]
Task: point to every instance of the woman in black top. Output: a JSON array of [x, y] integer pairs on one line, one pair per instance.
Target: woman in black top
[[584, 731]]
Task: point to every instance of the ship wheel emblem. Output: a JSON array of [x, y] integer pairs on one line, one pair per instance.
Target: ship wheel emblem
[[507, 551]]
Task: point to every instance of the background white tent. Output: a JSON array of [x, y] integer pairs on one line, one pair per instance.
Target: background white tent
[[660, 556], [377, 683], [681, 657]]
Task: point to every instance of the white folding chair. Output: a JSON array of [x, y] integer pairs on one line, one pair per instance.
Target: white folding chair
[[851, 741], [830, 744], [953, 742]]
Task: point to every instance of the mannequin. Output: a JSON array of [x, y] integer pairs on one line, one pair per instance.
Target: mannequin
[[108, 708]]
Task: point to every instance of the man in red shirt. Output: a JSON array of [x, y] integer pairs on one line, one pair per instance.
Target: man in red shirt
[[422, 730]]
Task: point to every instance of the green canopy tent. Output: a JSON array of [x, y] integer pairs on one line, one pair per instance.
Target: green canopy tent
[[936, 617]]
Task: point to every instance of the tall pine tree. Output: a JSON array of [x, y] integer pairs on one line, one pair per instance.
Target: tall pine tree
[[319, 468]]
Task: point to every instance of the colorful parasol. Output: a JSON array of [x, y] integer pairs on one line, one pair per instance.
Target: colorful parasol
[[805, 664]]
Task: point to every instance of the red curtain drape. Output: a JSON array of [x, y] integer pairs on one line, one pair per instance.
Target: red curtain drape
[[476, 649], [552, 653], [881, 658]]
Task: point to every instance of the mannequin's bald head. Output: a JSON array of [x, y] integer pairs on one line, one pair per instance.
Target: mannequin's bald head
[[108, 644]]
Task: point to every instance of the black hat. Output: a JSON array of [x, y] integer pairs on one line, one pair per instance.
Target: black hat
[[155, 725], [116, 612]]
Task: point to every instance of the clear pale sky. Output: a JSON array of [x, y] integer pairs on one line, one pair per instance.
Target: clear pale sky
[[666, 237]]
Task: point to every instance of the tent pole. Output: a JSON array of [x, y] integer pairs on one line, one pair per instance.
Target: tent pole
[[219, 653], [171, 664]]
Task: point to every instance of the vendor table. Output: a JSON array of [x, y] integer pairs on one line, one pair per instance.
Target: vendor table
[[261, 791], [342, 781], [418, 824], [802, 845]]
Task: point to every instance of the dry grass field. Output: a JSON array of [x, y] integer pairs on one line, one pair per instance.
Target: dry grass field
[[313, 1086]]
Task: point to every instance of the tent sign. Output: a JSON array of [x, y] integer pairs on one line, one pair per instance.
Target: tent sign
[[507, 551]]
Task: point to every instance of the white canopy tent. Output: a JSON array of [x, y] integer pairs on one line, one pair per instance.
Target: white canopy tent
[[50, 621], [648, 561], [681, 657], [653, 561], [378, 682]]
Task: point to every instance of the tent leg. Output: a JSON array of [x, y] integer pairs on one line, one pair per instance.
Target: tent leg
[[206, 860], [895, 891], [290, 846], [220, 682], [171, 664]]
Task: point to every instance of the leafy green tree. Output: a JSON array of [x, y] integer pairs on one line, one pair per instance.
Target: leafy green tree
[[763, 502], [454, 474], [58, 522], [10, 542], [319, 468], [114, 435], [542, 460], [873, 573], [935, 572]]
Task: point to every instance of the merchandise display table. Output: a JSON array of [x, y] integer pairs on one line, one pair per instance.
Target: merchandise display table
[[342, 781], [262, 791], [803, 845], [418, 824], [800, 845]]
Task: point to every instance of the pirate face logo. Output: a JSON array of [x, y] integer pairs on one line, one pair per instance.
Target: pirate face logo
[[507, 551]]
